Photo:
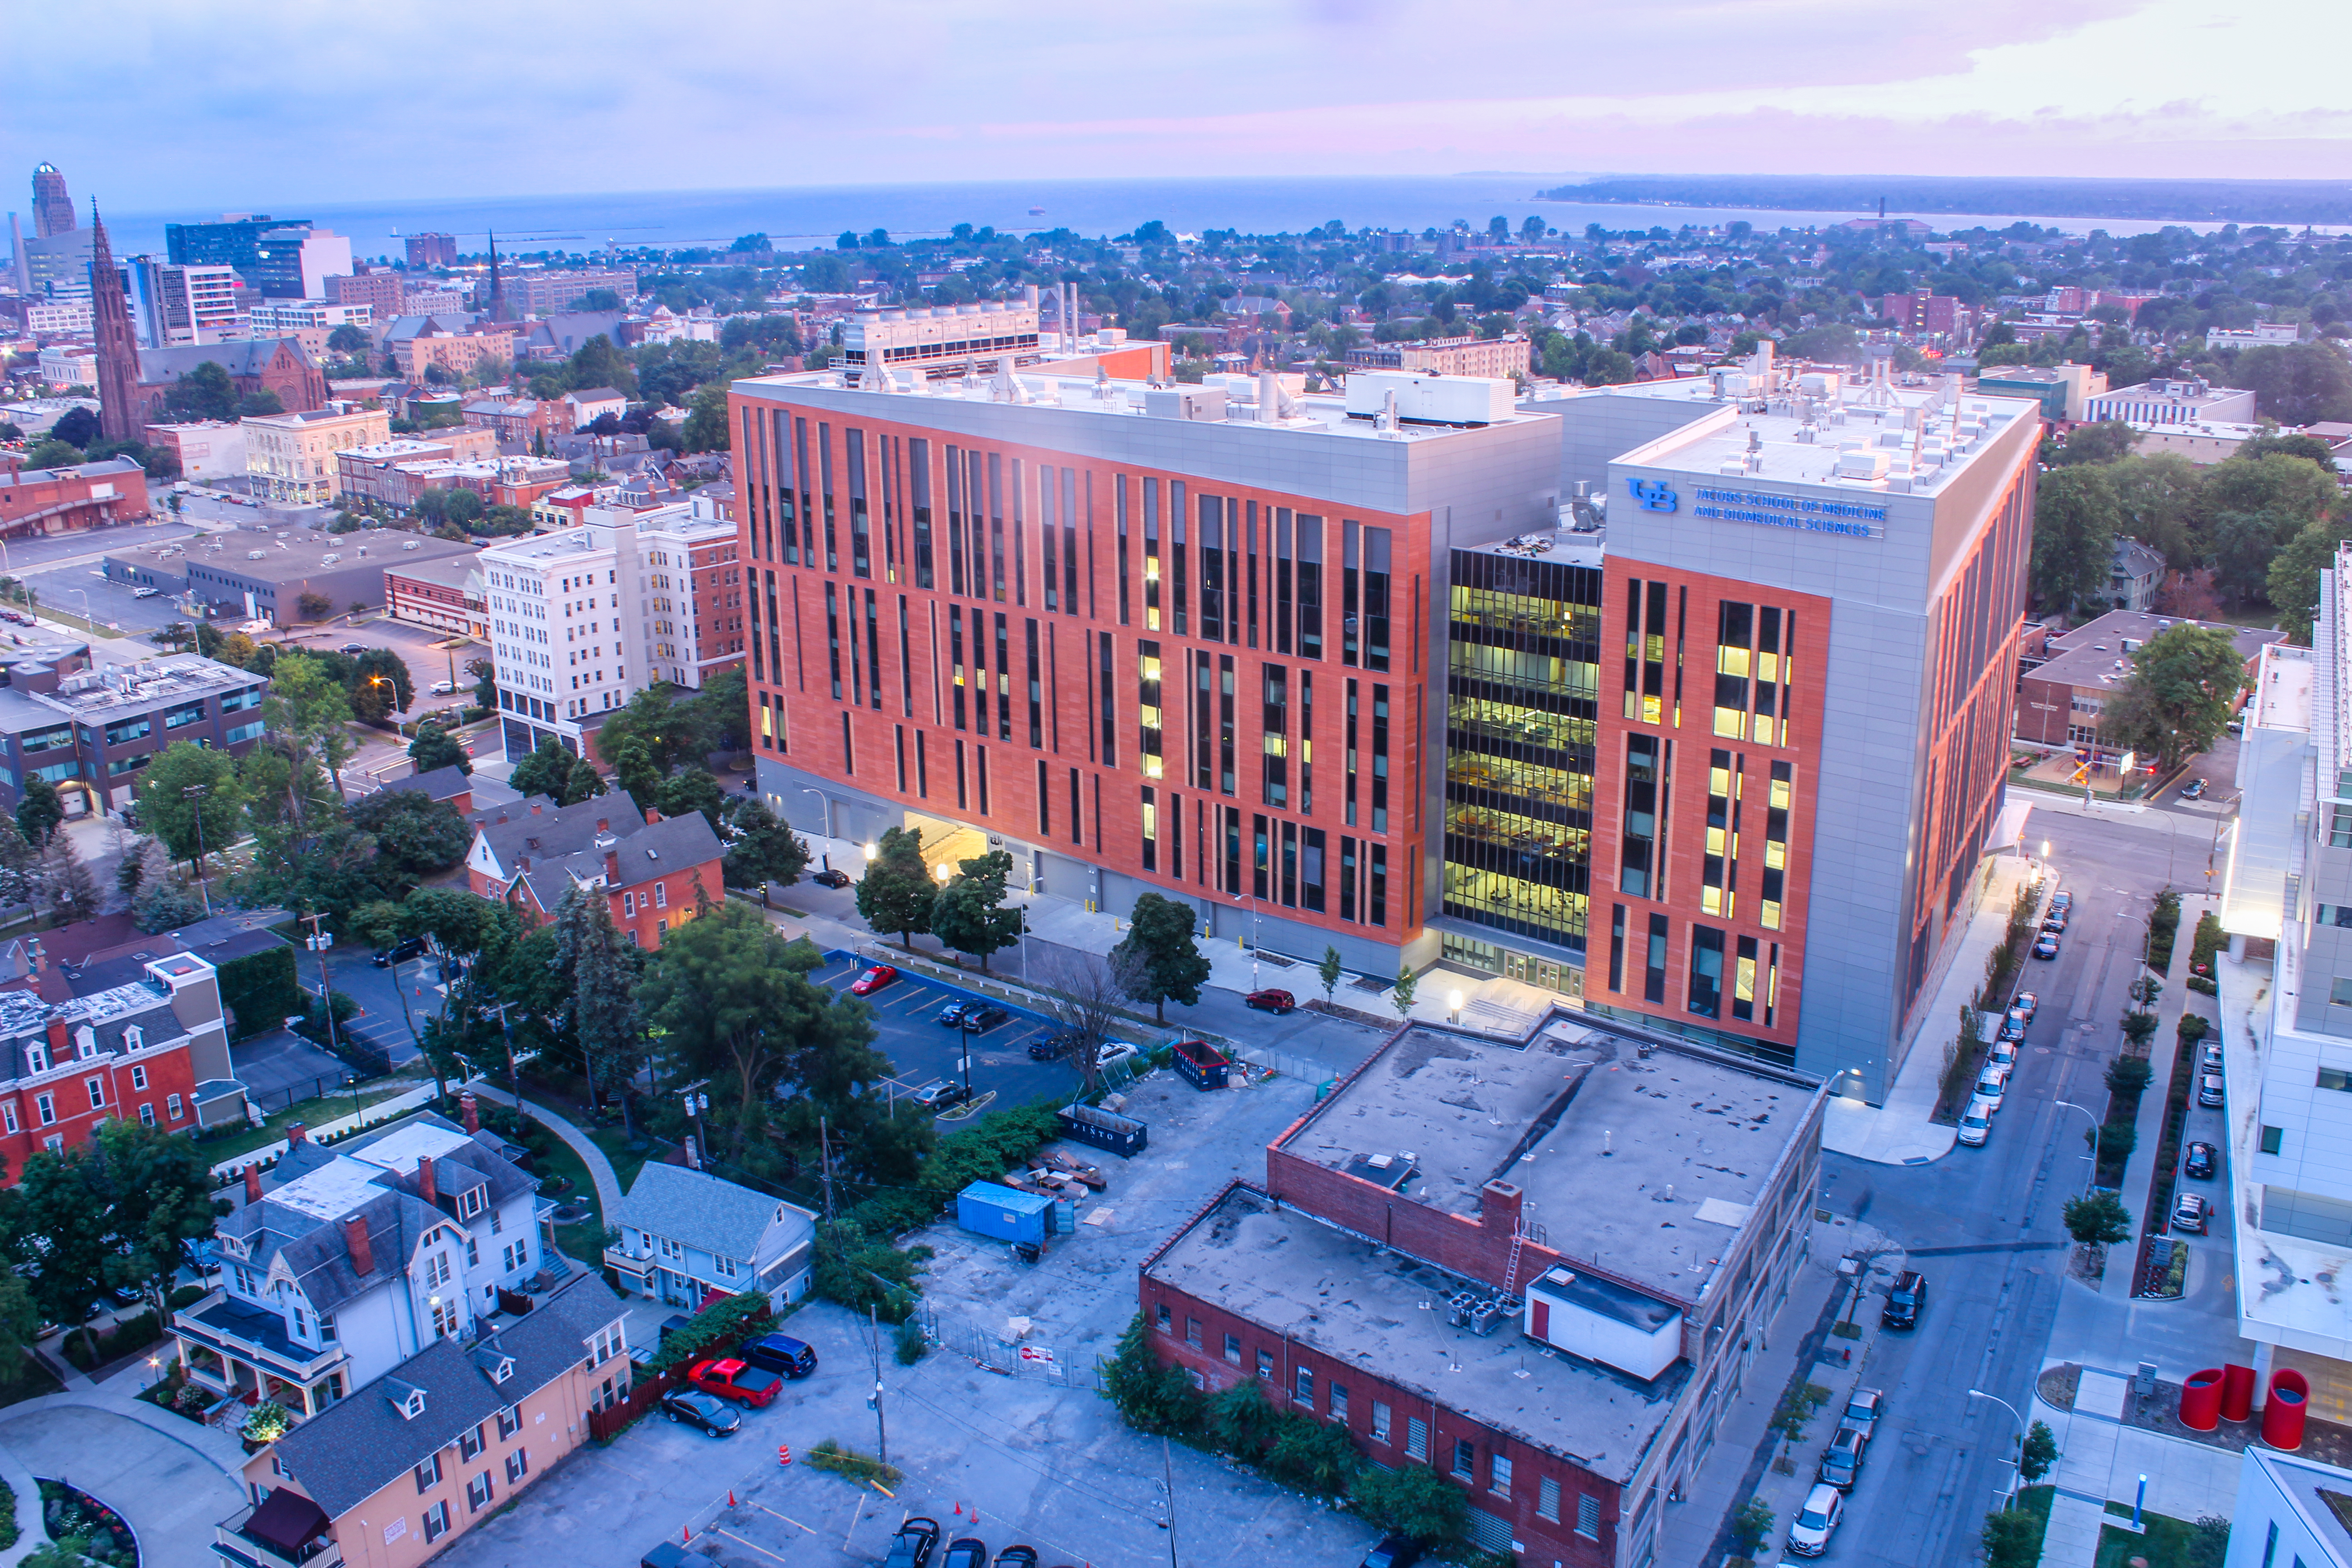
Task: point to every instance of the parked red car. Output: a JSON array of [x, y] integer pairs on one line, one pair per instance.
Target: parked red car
[[736, 1380], [873, 980], [1271, 1001]]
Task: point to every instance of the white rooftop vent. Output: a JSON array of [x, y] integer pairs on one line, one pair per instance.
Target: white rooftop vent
[[331, 557], [412, 544], [256, 554], [1862, 465]]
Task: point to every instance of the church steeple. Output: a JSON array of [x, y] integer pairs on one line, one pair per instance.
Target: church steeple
[[118, 418], [498, 301]]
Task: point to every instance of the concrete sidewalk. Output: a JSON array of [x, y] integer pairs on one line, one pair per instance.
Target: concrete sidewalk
[[1901, 1132], [2101, 1460]]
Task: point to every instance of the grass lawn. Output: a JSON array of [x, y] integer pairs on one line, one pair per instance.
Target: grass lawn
[[2168, 1543], [584, 1239], [311, 1113]]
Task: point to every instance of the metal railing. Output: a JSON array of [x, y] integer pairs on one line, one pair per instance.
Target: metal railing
[[237, 1546]]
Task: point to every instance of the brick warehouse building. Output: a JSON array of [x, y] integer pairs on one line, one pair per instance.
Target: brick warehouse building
[[1538, 1266], [1116, 624]]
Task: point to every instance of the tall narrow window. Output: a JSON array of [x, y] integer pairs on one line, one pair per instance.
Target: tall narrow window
[[1637, 865], [1348, 747], [955, 520], [1249, 528], [824, 486], [1274, 741], [873, 648], [1044, 803], [919, 485], [1654, 963], [1118, 492], [1776, 846], [1310, 586], [1108, 687], [1213, 567], [1380, 760], [1282, 612], [1706, 972], [1718, 868], [1376, 598], [1150, 829], [1178, 576], [1306, 742], [1152, 562], [1204, 709], [1036, 694], [1070, 543], [955, 664], [1227, 782], [1377, 882], [832, 638], [1020, 513], [1004, 680], [1045, 542], [861, 549], [1149, 719], [995, 527]]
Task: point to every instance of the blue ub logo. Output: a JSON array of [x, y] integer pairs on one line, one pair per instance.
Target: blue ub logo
[[1653, 495]]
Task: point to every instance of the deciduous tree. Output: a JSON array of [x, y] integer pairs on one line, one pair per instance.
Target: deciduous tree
[[437, 748], [2179, 697], [896, 893], [1158, 957], [190, 826], [2075, 517], [764, 848]]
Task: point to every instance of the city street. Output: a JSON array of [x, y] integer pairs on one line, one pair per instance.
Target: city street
[[1983, 1225]]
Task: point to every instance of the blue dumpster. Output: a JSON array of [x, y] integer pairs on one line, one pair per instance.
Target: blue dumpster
[[1000, 1213]]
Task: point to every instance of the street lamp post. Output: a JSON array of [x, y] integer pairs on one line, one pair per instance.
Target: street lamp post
[[2094, 1120], [826, 801], [196, 793], [2017, 1472], [1252, 914]]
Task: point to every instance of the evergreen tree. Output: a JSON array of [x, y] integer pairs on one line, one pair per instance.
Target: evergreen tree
[[39, 812], [436, 748], [601, 970]]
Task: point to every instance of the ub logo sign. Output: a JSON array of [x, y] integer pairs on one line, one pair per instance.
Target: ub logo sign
[[1653, 495]]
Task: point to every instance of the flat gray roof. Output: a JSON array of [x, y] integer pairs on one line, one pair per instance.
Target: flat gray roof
[[2088, 655], [1376, 1308], [293, 554], [1642, 1165]]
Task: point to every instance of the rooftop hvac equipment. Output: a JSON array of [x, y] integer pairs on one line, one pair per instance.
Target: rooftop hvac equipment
[[331, 557], [1425, 399], [257, 555]]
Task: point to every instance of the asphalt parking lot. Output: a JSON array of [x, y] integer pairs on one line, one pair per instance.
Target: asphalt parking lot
[[921, 1050]]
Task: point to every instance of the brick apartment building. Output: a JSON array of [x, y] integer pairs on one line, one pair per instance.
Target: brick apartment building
[[1457, 1198], [1471, 355], [446, 595]]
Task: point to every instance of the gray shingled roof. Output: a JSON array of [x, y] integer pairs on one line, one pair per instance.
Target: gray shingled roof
[[247, 356], [698, 1210], [555, 831], [437, 783], [354, 1449], [675, 844]]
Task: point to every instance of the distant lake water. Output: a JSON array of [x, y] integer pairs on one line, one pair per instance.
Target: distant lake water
[[803, 217]]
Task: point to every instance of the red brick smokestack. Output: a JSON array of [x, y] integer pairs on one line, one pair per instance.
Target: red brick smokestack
[[425, 1184], [253, 1183], [295, 1133], [362, 1251], [472, 1109]]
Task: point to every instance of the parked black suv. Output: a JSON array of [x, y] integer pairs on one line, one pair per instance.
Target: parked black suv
[[913, 1545], [400, 951], [1905, 1301]]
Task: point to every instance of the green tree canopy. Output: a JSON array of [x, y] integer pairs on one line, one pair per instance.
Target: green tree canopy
[[600, 971], [2275, 483], [544, 772], [764, 848], [190, 797], [1158, 957], [415, 835], [379, 683], [2297, 384], [435, 747], [969, 914], [39, 812], [2075, 519], [2177, 701], [2102, 442], [896, 893], [2158, 498]]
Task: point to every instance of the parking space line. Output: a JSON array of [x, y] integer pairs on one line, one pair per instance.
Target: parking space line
[[754, 1544], [788, 1518]]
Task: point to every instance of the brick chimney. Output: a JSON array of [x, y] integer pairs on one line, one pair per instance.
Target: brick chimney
[[60, 1044], [427, 1187], [253, 1183], [603, 824], [502, 819], [362, 1251], [295, 1133], [534, 805], [472, 1109], [612, 867], [652, 815], [1498, 1207]]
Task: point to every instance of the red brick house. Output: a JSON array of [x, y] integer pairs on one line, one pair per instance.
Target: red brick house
[[1534, 1266], [656, 872], [135, 1050]]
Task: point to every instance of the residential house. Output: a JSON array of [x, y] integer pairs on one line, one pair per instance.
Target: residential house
[[339, 1265], [686, 1236], [437, 1444], [2138, 572], [537, 830], [654, 880], [589, 403], [140, 1048]]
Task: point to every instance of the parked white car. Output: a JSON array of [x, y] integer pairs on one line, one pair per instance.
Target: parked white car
[[1993, 1083], [1809, 1533], [1975, 1124]]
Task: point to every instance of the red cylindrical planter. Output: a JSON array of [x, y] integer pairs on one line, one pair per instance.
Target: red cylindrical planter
[[2283, 1417], [2237, 1393], [2201, 1400]]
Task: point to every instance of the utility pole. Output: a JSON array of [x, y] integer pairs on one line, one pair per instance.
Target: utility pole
[[824, 1165], [197, 792], [696, 1103], [1167, 1480], [874, 1348], [319, 943], [514, 1083]]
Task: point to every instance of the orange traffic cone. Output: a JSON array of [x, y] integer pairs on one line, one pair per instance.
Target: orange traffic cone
[[730, 1496]]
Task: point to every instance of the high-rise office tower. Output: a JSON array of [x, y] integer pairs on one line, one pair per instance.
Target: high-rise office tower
[[53, 209]]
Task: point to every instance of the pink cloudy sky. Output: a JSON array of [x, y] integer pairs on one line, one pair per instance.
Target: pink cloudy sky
[[201, 102]]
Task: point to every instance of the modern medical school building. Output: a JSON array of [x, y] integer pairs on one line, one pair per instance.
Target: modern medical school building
[[1688, 700]]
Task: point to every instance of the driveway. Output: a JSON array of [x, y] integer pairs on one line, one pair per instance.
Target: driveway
[[173, 1491]]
